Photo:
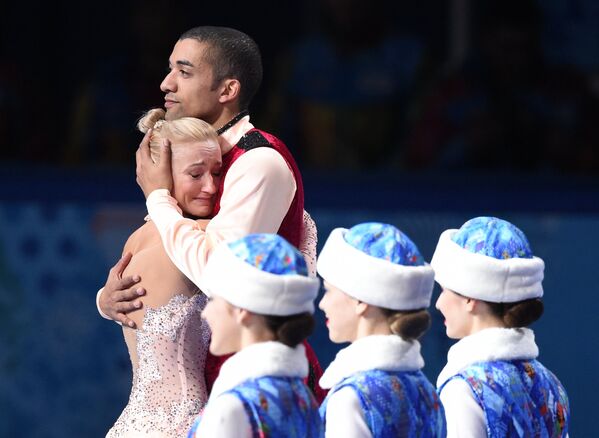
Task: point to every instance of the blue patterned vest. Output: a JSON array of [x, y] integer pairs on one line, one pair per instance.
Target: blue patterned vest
[[395, 403], [277, 407], [520, 398]]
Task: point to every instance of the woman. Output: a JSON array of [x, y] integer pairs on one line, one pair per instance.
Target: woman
[[493, 385], [378, 289], [262, 313], [168, 351]]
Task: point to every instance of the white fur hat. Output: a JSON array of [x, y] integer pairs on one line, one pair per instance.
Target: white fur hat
[[488, 259], [262, 273], [377, 264]]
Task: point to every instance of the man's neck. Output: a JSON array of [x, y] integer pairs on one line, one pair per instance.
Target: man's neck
[[224, 117], [240, 115], [231, 136]]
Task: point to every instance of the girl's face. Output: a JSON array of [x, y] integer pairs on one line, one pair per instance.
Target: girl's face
[[196, 176], [341, 312], [458, 319], [226, 330]]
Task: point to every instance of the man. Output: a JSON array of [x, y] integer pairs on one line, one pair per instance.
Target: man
[[214, 74]]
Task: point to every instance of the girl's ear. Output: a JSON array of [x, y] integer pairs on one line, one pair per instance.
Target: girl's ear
[[242, 315], [471, 304], [361, 308]]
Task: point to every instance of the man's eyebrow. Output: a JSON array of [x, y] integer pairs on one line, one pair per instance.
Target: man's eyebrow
[[185, 62]]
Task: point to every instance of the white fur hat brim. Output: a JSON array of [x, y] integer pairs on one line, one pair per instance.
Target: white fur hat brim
[[250, 288], [373, 280], [486, 278]]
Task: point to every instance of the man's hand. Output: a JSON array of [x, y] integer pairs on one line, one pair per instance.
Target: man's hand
[[152, 176], [120, 295]]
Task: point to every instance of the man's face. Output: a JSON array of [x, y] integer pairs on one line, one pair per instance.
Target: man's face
[[188, 86]]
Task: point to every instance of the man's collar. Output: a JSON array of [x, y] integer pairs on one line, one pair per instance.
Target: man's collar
[[233, 121], [231, 136]]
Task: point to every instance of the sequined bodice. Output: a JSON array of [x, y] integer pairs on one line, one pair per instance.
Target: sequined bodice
[[169, 388]]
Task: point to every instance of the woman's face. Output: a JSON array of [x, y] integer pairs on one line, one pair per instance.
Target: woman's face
[[458, 320], [196, 176], [226, 330], [340, 311]]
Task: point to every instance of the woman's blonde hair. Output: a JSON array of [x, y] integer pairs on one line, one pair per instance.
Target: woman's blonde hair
[[181, 129]]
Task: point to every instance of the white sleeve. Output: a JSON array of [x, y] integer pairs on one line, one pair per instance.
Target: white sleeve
[[224, 417], [344, 416], [465, 418], [102, 314], [258, 190]]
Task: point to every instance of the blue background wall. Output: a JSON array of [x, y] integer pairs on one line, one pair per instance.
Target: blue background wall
[[64, 371]]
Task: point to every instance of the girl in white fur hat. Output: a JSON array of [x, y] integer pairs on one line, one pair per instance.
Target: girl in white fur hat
[[261, 306], [492, 384], [378, 288]]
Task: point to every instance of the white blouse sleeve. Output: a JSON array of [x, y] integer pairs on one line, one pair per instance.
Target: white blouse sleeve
[[224, 417], [258, 191], [344, 416], [465, 418]]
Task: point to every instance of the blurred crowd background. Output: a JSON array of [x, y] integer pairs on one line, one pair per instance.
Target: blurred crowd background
[[399, 86], [417, 113]]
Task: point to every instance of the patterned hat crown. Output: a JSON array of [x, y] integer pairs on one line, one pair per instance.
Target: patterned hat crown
[[270, 253], [385, 242], [493, 237]]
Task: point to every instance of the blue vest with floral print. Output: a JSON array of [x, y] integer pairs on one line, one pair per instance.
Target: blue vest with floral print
[[520, 398], [277, 407], [395, 403]]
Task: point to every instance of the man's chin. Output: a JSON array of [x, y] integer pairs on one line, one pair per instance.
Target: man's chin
[[170, 115], [174, 113]]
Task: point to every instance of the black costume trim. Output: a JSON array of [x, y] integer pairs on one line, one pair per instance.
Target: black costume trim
[[252, 140], [231, 122]]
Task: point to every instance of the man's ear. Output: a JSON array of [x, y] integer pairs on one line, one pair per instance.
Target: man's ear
[[230, 89]]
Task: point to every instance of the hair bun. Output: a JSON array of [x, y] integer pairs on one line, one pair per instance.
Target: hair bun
[[410, 325], [153, 119], [522, 313], [291, 330]]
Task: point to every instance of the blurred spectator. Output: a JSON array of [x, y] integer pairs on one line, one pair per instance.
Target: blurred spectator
[[29, 82], [507, 108], [9, 91], [571, 33], [124, 83], [342, 91]]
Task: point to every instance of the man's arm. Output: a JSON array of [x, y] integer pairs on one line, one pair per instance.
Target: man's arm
[[120, 295], [258, 190]]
